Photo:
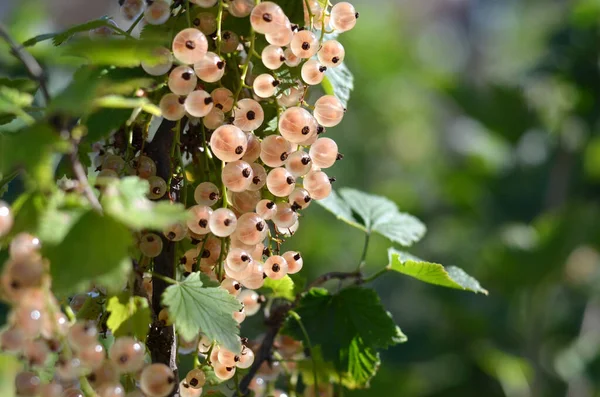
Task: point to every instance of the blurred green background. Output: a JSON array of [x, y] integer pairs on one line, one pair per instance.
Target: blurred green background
[[481, 117]]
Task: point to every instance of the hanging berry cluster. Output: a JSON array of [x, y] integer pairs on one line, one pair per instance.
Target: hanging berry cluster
[[255, 182]]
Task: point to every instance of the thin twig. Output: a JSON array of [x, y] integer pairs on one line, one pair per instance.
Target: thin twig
[[31, 64], [81, 176]]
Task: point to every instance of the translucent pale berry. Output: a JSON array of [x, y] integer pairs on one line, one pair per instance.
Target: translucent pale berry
[[157, 13], [185, 390], [318, 184], [227, 357], [251, 301], [204, 3], [266, 209], [280, 182], [196, 378], [157, 380], [51, 390], [343, 16], [276, 267], [232, 286], [282, 36], [324, 152], [206, 193], [274, 150], [111, 390], [205, 22], [256, 278], [246, 358], [298, 163], [237, 175], [92, 356], [251, 228], [259, 177], [228, 143], [240, 8], [296, 124], [189, 258], [230, 41], [331, 53], [144, 166], [105, 373], [210, 252], [176, 232], [6, 219], [223, 372], [151, 245], [291, 59], [249, 115], [199, 218], [73, 392], [182, 80], [82, 334], [222, 222], [198, 103], [252, 149], [127, 355], [171, 106], [36, 352], [190, 46], [240, 315], [285, 216], [292, 98], [223, 98], [161, 65], [304, 44], [329, 111], [272, 57], [244, 201], [210, 68], [214, 119], [265, 85], [299, 198], [113, 162], [267, 17], [158, 187], [27, 384], [312, 72], [12, 340]]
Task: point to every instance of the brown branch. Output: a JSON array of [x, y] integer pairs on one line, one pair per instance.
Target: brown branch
[[31, 64]]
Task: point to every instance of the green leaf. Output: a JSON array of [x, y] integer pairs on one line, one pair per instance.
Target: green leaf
[[125, 52], [103, 122], [61, 37], [433, 273], [125, 200], [91, 309], [12, 102], [95, 246], [78, 97], [129, 315], [59, 215], [357, 325], [339, 81], [282, 288], [209, 310], [9, 367], [119, 102], [25, 85], [374, 213]]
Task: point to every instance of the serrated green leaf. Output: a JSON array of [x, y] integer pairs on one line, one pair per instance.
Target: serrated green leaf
[[125, 52], [61, 37], [119, 102], [282, 288], [209, 310], [339, 81], [102, 122], [372, 213], [433, 273], [9, 367], [125, 200], [356, 324], [95, 246], [129, 316], [91, 309]]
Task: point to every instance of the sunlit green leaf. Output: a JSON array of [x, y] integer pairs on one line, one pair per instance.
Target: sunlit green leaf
[[61, 37], [125, 52], [129, 316], [282, 288]]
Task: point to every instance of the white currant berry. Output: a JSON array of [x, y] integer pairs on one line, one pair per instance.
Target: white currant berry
[[280, 182], [27, 384], [312, 72], [329, 111], [205, 22], [190, 46], [299, 198], [36, 352], [185, 390], [157, 380], [73, 392], [237, 175], [304, 44], [92, 356], [291, 59], [196, 378], [113, 162], [246, 358], [161, 65], [199, 218], [292, 97], [210, 251], [144, 166], [210, 68], [176, 232], [318, 184], [259, 177], [266, 209], [222, 222], [343, 16], [206, 193], [256, 278], [285, 216], [230, 41], [244, 201], [189, 258], [296, 124], [103, 32], [157, 13], [231, 286], [223, 372], [248, 114], [131, 9], [182, 80], [252, 149], [324, 152], [82, 334], [127, 354], [157, 188], [204, 3], [294, 261], [6, 219], [223, 98], [251, 301], [298, 163], [111, 390], [214, 119], [228, 143], [267, 17], [240, 8], [198, 103], [227, 357], [239, 316], [276, 267], [171, 107], [282, 36], [274, 150], [251, 228], [331, 53], [151, 245], [272, 57], [52, 389], [12, 340], [265, 85]]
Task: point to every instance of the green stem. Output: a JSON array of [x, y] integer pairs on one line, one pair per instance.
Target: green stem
[[296, 317], [183, 175], [219, 27], [86, 388], [363, 256], [375, 275], [236, 381], [245, 65], [196, 264], [166, 279], [187, 13], [310, 14], [135, 23], [223, 188]]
